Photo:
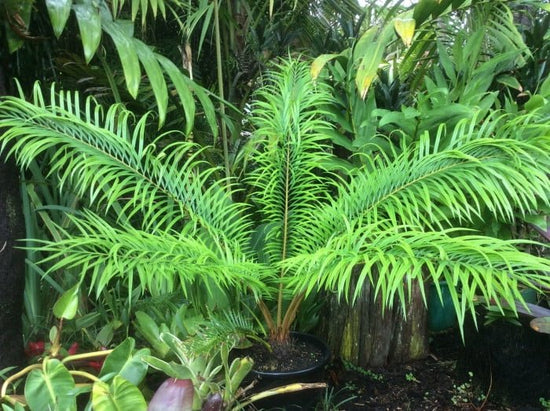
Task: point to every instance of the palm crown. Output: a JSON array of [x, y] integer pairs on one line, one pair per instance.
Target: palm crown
[[391, 222]]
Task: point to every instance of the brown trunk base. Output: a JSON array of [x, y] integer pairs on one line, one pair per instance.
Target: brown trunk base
[[368, 336]]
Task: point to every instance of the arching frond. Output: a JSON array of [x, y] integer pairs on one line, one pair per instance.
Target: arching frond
[[287, 180], [101, 157], [480, 269], [165, 259], [495, 166]]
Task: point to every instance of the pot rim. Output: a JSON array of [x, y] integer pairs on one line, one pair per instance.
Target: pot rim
[[313, 339]]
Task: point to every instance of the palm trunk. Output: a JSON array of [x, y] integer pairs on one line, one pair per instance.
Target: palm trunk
[[12, 262], [367, 336]]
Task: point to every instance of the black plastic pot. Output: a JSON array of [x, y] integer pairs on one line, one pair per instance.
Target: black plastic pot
[[310, 340], [305, 399]]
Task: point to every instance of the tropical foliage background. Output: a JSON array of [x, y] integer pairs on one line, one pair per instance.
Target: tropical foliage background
[[185, 74]]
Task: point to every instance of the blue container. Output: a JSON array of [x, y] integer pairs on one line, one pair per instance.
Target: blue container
[[441, 313]]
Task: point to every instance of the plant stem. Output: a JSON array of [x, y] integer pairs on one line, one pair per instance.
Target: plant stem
[[221, 91], [85, 375], [285, 238], [85, 356], [16, 376]]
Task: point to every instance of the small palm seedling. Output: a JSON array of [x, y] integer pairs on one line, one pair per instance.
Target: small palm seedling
[[395, 221]]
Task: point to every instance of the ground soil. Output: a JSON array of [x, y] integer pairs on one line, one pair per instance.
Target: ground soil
[[435, 383]]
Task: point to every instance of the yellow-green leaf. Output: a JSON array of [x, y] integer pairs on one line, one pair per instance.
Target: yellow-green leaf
[[67, 305], [119, 395], [51, 388], [405, 29], [319, 63], [372, 49]]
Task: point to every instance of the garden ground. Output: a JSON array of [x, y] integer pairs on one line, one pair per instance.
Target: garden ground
[[436, 383], [440, 382]]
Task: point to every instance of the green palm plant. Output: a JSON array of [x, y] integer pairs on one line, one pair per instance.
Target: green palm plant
[[301, 228]]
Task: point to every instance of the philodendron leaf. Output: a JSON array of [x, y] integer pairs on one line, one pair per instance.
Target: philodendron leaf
[[119, 395], [67, 305], [58, 11], [50, 388], [123, 361]]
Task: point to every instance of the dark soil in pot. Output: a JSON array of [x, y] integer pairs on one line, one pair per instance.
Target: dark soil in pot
[[305, 354], [303, 361]]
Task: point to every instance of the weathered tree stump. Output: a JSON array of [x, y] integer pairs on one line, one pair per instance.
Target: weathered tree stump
[[367, 335]]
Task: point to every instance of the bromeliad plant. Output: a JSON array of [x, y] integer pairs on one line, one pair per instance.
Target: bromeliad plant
[[302, 227]]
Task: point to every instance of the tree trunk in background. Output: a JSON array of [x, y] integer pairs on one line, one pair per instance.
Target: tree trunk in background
[[361, 335], [12, 262]]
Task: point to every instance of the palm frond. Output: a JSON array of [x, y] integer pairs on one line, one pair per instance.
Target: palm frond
[[455, 177], [157, 260], [102, 158], [288, 181], [480, 269]]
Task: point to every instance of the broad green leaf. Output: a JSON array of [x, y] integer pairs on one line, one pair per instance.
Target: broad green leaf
[[119, 395], [125, 362], [119, 32], [510, 81], [59, 11], [545, 88], [534, 102], [17, 407], [50, 388], [89, 26], [106, 334], [405, 29], [319, 63], [155, 75], [206, 103], [149, 329], [19, 14], [184, 93], [372, 53], [423, 9], [67, 305]]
